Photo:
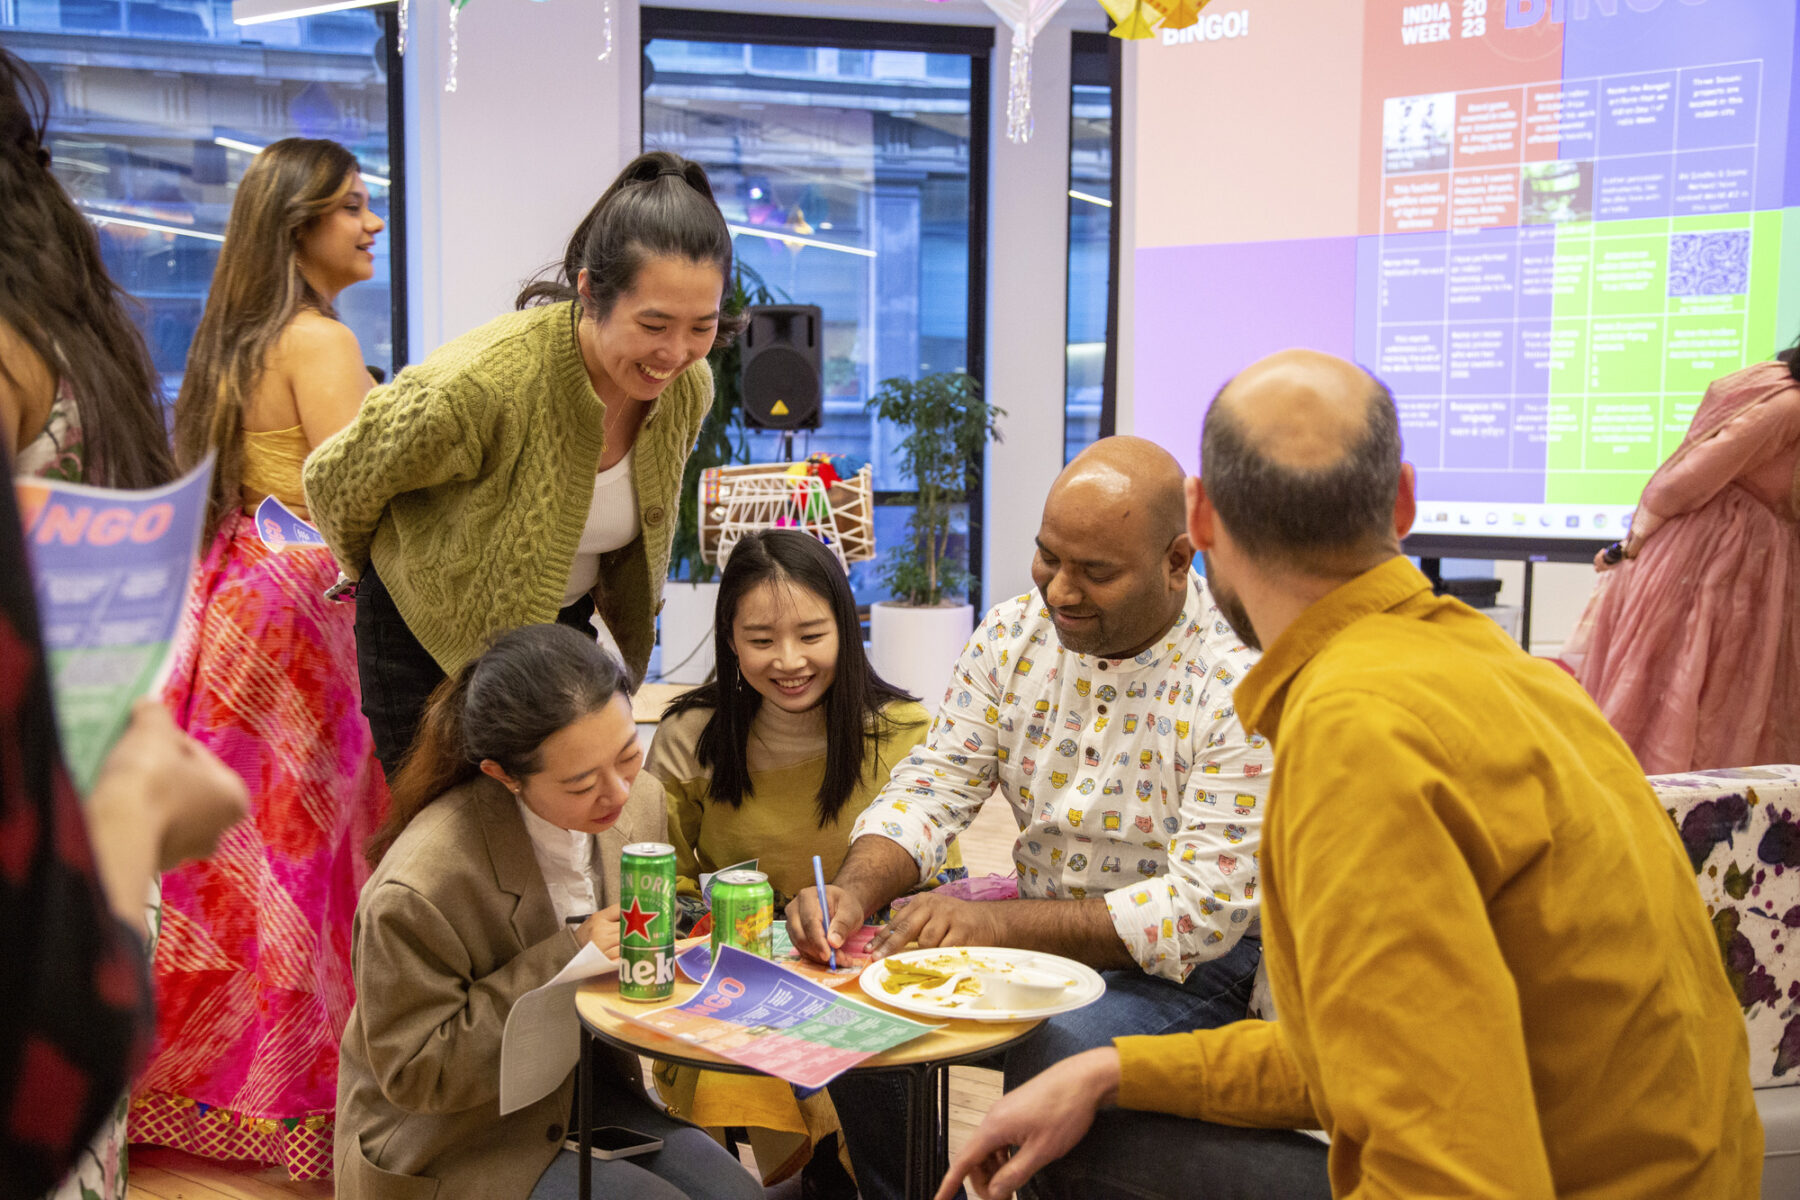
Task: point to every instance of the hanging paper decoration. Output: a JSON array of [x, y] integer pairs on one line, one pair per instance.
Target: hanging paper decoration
[[450, 71], [1132, 19], [1025, 19], [1179, 14], [1136, 19]]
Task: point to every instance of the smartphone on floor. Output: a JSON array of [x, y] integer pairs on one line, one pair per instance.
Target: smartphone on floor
[[616, 1141]]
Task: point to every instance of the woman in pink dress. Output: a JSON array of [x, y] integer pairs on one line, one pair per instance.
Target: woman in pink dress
[[253, 983], [1690, 643]]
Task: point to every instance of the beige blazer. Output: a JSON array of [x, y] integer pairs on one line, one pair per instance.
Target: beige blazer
[[453, 927]]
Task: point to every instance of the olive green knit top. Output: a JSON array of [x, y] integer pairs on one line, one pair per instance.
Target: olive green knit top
[[467, 481]]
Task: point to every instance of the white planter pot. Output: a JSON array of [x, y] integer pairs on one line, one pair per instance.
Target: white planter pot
[[916, 648], [686, 627]]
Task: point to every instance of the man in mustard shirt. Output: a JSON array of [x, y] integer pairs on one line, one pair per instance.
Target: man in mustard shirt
[[1493, 973]]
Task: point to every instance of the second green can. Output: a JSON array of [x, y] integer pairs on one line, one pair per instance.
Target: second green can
[[743, 910], [647, 921]]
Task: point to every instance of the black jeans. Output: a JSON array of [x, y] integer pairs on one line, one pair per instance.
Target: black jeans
[[398, 675]]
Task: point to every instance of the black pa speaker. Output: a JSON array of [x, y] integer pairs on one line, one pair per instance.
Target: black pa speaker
[[782, 357]]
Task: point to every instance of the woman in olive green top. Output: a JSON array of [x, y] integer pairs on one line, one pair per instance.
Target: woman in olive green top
[[530, 470], [775, 761]]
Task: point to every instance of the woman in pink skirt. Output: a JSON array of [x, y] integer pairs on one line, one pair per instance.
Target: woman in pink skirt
[[253, 984], [1690, 642]]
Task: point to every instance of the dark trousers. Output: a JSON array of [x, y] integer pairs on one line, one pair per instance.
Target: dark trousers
[[1287, 1165], [398, 675]]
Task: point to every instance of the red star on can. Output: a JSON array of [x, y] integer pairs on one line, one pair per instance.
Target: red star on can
[[637, 920]]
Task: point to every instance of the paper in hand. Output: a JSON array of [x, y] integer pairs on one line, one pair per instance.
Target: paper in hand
[[541, 1043], [111, 570]]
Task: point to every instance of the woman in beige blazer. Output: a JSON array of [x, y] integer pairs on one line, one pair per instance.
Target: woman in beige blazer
[[500, 858]]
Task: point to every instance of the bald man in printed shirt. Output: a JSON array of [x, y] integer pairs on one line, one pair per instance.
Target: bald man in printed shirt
[[1100, 708]]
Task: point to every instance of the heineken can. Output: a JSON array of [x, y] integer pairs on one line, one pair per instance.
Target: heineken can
[[743, 911], [647, 921]]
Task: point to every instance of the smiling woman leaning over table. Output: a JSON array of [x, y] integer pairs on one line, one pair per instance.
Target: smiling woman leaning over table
[[529, 471]]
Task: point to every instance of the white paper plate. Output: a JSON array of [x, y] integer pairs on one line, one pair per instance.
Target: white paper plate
[[1084, 983]]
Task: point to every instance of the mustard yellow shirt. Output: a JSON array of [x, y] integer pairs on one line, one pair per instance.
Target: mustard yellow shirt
[[1494, 974], [272, 461]]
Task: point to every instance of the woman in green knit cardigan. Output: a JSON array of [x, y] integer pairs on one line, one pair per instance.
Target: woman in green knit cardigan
[[529, 470]]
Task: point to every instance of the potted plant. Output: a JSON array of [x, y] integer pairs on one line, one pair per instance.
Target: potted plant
[[691, 594], [918, 635]]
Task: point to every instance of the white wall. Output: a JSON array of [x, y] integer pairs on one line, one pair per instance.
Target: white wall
[[500, 171], [1027, 313]]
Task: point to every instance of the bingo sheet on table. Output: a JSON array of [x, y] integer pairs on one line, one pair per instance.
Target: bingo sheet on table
[[756, 1013]]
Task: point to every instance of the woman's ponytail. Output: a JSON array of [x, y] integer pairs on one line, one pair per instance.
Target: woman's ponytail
[[661, 205]]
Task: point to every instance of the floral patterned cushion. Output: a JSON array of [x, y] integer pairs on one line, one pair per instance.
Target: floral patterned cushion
[[1741, 828]]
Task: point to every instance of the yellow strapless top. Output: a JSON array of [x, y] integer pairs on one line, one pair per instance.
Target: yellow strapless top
[[272, 460]]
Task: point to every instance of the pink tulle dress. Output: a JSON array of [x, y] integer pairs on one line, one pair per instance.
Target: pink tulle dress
[[1691, 648]]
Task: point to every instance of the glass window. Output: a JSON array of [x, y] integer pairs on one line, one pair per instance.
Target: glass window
[[844, 173], [152, 127], [1090, 241]]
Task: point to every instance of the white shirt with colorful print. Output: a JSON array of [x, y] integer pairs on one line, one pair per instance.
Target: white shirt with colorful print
[[1131, 780]]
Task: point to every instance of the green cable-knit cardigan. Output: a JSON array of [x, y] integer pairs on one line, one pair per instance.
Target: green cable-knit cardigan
[[467, 480]]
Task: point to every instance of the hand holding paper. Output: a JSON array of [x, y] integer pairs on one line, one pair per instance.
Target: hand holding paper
[[541, 1043]]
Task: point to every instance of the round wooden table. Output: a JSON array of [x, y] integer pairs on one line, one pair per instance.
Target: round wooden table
[[924, 1061]]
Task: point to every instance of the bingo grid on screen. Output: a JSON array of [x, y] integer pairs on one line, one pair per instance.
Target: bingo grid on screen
[[1547, 224]]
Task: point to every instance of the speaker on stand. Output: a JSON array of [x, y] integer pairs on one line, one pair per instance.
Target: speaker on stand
[[782, 363]]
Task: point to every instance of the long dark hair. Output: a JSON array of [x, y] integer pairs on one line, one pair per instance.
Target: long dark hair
[[853, 704], [660, 206], [257, 289], [56, 294], [527, 684], [1791, 356]]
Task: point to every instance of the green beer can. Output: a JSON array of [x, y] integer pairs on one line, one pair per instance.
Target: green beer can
[[647, 922], [743, 911]]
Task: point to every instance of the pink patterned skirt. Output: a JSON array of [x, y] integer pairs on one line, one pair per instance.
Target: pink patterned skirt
[[253, 984], [1692, 650]]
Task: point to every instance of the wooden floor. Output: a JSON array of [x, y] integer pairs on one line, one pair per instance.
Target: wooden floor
[[159, 1174]]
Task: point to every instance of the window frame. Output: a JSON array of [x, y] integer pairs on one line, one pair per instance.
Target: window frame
[[386, 16], [394, 63], [976, 41], [1085, 50]]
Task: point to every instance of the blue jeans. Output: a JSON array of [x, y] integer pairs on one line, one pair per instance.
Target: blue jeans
[[690, 1165], [872, 1108], [1154, 1156]]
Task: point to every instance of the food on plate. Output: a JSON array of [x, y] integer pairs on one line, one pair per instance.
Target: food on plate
[[960, 980]]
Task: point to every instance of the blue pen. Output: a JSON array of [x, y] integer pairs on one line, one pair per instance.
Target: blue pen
[[824, 908]]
